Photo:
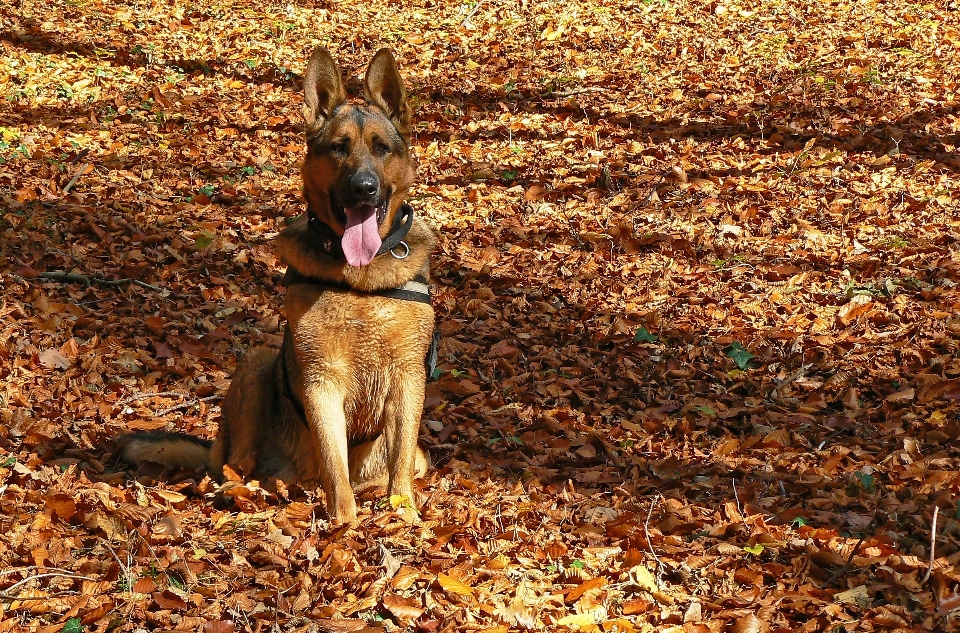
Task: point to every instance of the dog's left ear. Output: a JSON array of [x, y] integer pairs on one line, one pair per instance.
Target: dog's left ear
[[383, 87]]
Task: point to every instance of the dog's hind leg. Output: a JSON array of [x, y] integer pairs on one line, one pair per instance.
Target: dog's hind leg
[[246, 409]]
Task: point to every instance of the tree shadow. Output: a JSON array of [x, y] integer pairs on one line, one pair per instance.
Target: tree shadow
[[797, 433]]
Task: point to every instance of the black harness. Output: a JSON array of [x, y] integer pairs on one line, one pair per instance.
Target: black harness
[[417, 290]]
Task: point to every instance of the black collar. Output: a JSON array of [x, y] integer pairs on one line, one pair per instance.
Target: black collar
[[417, 289], [330, 241]]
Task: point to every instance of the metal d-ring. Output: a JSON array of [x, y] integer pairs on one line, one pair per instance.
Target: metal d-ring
[[406, 251]]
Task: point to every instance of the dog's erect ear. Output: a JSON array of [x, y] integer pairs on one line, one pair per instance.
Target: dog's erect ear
[[383, 87], [322, 89]]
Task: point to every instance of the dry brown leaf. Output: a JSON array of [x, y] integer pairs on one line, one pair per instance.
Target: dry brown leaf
[[749, 624], [53, 359], [404, 609]]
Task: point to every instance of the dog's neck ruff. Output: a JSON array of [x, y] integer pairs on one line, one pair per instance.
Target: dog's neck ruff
[[330, 241]]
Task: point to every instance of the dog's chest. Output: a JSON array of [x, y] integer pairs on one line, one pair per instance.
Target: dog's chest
[[368, 347]]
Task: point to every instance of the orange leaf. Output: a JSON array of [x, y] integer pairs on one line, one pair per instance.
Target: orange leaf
[[593, 583], [62, 505], [452, 585]]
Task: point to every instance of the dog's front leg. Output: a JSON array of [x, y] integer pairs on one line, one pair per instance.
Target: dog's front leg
[[402, 439], [324, 406]]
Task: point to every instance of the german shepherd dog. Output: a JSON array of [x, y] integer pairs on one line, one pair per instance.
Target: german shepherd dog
[[340, 403]]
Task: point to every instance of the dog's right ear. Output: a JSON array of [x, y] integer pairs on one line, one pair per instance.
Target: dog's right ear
[[322, 90]]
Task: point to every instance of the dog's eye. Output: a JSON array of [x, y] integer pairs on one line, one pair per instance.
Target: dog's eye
[[381, 148], [340, 147]]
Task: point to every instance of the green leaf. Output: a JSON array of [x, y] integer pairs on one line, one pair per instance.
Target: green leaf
[[799, 521], [754, 549], [8, 462], [702, 408], [204, 240], [868, 482], [73, 625], [644, 337], [436, 374], [740, 355]]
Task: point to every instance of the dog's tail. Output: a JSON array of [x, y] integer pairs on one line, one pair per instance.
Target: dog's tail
[[170, 450]]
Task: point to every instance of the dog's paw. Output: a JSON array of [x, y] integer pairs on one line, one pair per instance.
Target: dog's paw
[[345, 521]]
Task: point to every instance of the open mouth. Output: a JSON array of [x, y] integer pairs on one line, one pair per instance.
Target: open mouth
[[361, 231]]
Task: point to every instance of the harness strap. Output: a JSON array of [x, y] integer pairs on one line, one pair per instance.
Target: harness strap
[[414, 290], [285, 376], [417, 290]]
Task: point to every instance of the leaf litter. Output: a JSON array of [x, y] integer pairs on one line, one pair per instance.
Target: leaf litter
[[696, 292]]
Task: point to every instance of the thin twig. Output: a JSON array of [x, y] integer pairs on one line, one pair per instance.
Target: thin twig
[[144, 396], [186, 405], [646, 532], [5, 594], [573, 232], [650, 193], [59, 275], [466, 20], [933, 542], [846, 567], [76, 177], [125, 568], [19, 570], [573, 92], [737, 497]]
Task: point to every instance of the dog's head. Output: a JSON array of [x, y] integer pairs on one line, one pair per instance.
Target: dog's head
[[358, 167]]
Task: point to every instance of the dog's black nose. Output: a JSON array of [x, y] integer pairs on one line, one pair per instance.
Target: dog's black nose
[[365, 184]]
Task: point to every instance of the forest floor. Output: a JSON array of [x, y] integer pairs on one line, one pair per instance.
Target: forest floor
[[696, 284]]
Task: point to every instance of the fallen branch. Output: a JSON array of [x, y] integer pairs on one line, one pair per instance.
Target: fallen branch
[[88, 280], [933, 543], [187, 404], [76, 177]]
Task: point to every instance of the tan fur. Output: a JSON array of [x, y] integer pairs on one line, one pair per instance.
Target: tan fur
[[354, 360]]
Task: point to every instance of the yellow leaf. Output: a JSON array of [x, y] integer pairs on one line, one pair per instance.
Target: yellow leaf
[[577, 619], [472, 65], [400, 501], [642, 576], [452, 585]]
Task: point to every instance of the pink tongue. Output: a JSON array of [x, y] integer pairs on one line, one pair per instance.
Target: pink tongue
[[361, 239]]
